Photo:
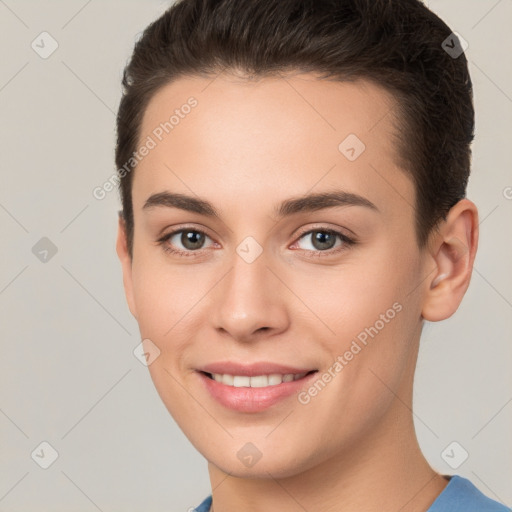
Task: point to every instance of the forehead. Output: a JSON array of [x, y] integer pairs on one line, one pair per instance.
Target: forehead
[[270, 138]]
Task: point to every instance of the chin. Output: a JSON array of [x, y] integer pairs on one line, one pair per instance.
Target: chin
[[249, 461], [274, 468]]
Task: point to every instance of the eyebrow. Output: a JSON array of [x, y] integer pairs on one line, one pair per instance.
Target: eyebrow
[[307, 203]]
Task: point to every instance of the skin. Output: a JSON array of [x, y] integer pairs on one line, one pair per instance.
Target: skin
[[246, 147]]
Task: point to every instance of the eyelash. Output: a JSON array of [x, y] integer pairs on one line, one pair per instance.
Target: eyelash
[[347, 242]]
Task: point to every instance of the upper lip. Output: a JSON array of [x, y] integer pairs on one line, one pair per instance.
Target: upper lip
[[253, 369]]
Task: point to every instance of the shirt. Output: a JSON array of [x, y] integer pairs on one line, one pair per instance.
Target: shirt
[[460, 495]]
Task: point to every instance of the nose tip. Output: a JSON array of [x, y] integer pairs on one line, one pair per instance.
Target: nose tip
[[246, 304]]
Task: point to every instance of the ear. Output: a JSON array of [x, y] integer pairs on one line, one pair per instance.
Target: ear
[[126, 264], [452, 251]]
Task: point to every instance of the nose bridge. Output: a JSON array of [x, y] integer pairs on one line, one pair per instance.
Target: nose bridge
[[246, 300], [246, 287]]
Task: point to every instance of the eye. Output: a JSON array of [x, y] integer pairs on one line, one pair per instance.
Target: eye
[[324, 240], [192, 241]]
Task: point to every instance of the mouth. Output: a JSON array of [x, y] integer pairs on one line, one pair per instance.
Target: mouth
[[253, 393], [256, 381]]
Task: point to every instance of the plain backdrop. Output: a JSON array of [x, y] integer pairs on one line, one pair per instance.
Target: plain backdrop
[[69, 377]]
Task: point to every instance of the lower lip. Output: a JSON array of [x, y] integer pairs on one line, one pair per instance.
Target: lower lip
[[245, 399]]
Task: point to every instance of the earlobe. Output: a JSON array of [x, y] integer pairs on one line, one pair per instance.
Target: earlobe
[[126, 264], [453, 251]]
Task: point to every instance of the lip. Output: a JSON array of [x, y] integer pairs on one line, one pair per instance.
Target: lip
[[251, 370], [252, 400]]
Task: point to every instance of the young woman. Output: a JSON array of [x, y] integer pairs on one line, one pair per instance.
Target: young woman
[[293, 177]]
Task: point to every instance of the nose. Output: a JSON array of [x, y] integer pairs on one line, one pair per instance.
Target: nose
[[250, 301]]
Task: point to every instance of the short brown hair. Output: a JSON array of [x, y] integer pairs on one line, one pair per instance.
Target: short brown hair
[[397, 44]]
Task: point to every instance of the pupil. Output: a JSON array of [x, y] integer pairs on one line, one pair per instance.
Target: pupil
[[319, 240], [192, 239]]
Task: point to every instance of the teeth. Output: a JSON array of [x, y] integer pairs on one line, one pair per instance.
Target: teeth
[[241, 381], [226, 379], [257, 381], [275, 378]]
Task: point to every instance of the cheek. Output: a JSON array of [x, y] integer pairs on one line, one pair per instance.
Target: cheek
[[352, 297], [169, 302], [162, 295], [154, 301], [162, 308], [373, 322]]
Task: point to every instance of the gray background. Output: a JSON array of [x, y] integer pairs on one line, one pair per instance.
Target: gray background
[[69, 376]]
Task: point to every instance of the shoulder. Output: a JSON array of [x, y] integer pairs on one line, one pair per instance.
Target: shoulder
[[205, 505], [460, 495]]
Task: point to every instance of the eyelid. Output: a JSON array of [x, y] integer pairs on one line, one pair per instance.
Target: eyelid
[[325, 227]]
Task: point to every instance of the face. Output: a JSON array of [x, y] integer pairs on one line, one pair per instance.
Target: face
[[274, 237]]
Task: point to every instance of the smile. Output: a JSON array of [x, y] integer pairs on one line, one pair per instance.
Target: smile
[[256, 381], [253, 393]]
